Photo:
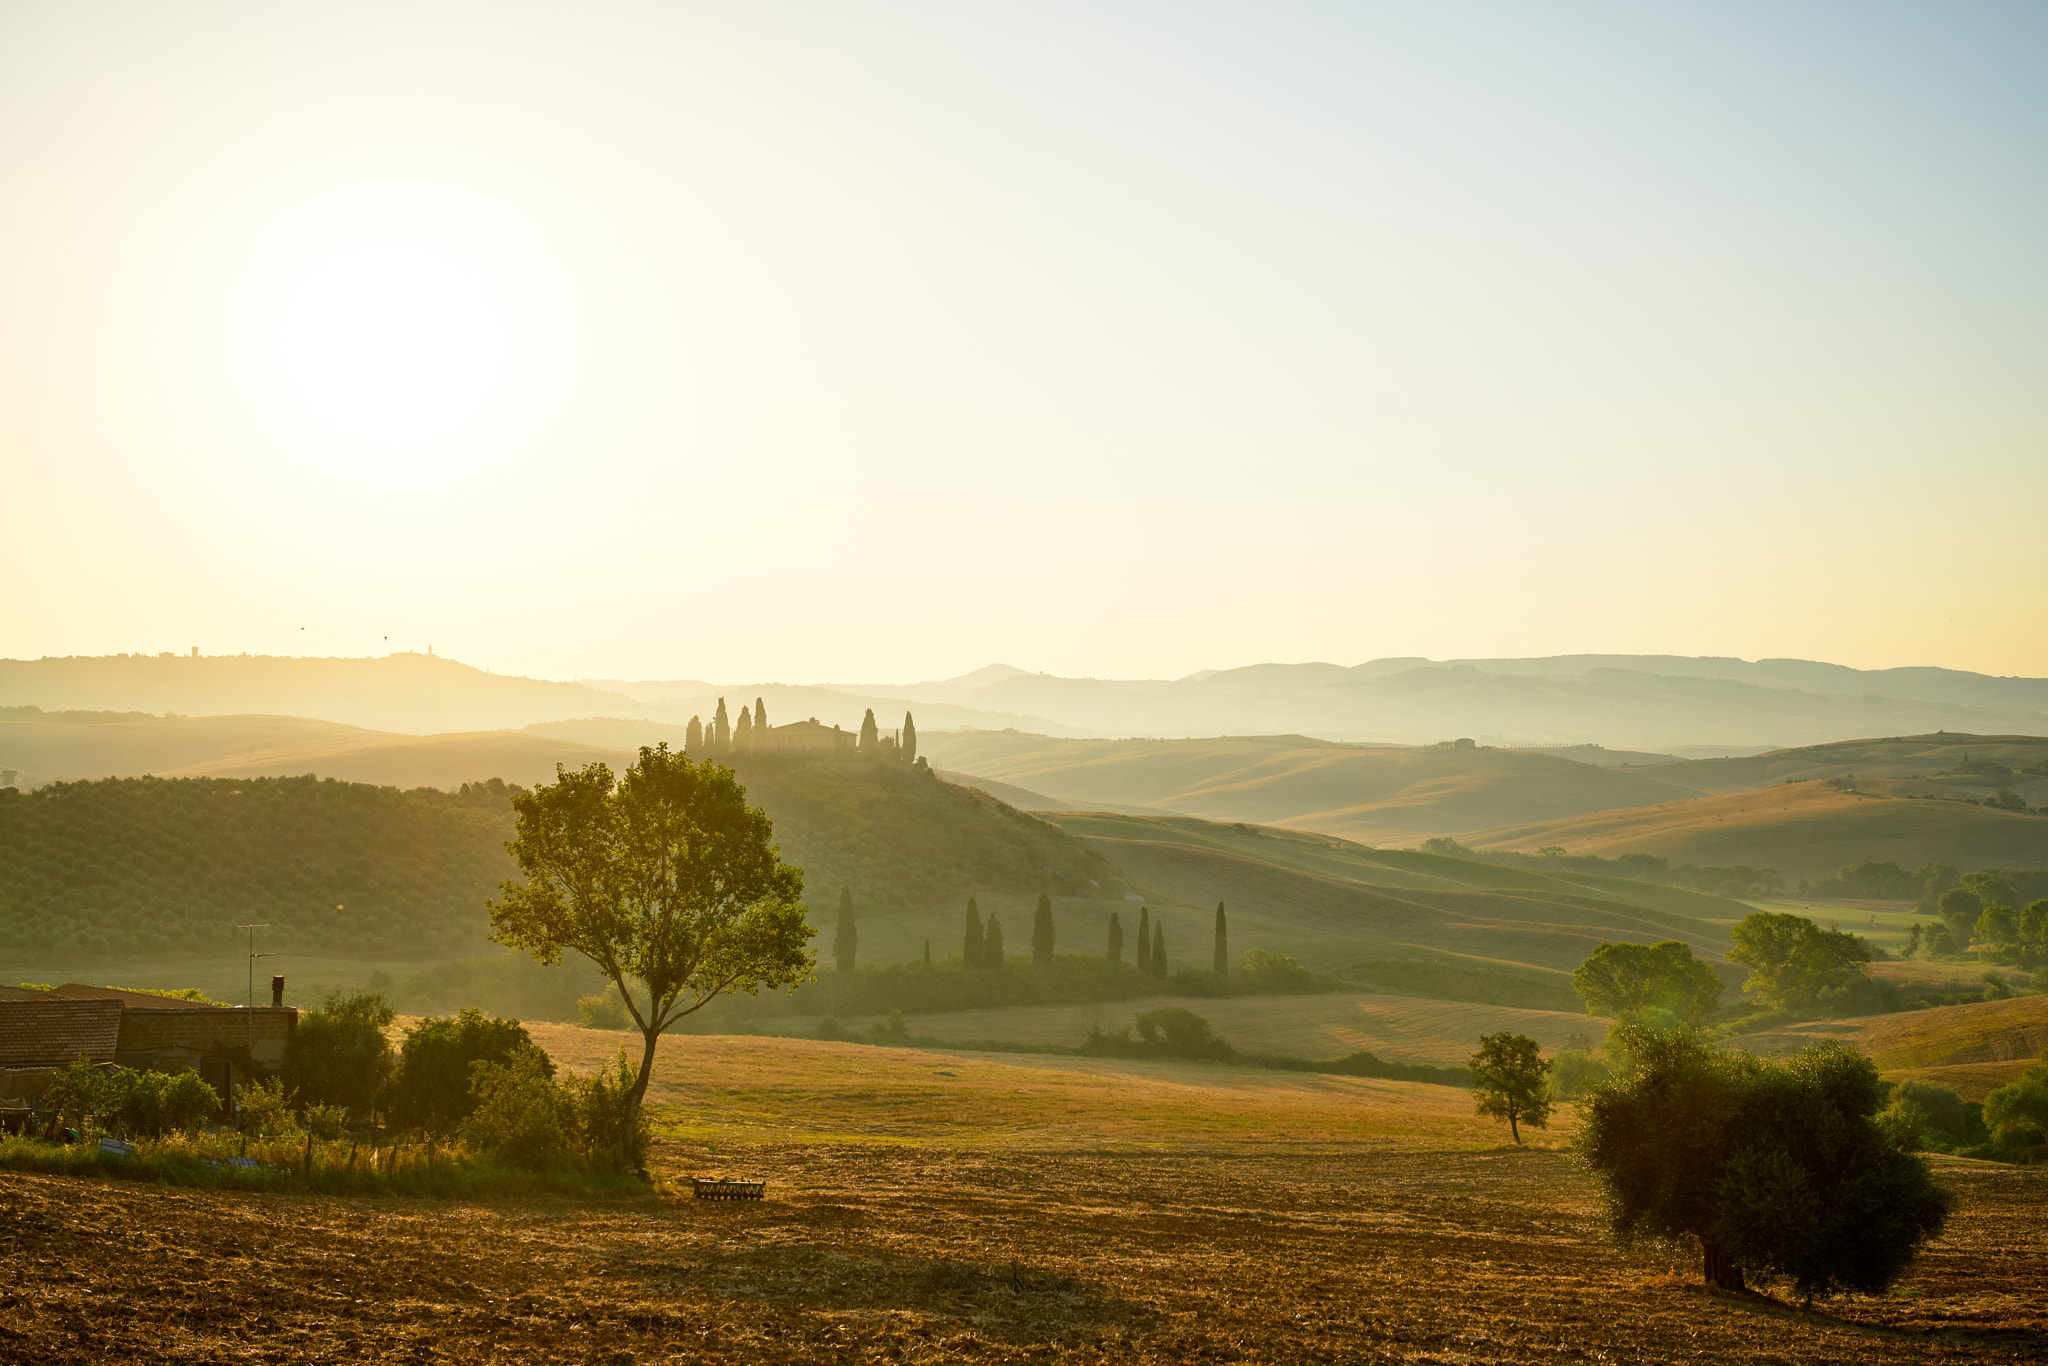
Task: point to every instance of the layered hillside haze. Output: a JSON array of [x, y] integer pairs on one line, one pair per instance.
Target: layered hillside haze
[[44, 747], [1803, 830], [1651, 703], [1935, 763], [173, 864], [413, 693], [1371, 793], [1646, 702]]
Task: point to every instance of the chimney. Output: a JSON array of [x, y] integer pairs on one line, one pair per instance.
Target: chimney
[[276, 991]]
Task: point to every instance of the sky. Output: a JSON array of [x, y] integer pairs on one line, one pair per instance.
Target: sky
[[881, 341]]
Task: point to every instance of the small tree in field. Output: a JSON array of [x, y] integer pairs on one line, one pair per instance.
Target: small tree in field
[[1776, 1168], [666, 878], [1508, 1081]]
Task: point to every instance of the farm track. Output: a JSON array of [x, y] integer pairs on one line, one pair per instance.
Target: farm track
[[1354, 1253]]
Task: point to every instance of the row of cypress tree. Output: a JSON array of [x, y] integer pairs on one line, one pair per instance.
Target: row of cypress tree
[[723, 740], [981, 946]]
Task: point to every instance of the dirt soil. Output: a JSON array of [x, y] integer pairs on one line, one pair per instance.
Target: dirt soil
[[867, 1253]]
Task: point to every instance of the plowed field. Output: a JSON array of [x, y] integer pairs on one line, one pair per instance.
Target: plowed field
[[1259, 1251]]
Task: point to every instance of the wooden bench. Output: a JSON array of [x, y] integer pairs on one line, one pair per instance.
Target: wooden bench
[[724, 1188]]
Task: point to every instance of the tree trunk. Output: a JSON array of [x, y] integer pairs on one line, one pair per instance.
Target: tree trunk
[[1716, 1268], [638, 1095], [1514, 1130]]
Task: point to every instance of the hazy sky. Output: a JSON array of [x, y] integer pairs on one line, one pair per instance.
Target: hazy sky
[[878, 341]]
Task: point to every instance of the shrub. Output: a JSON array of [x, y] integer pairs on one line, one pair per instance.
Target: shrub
[[2017, 1114], [431, 1089], [518, 1115], [610, 1127], [265, 1109], [603, 1010], [146, 1104], [338, 1055]]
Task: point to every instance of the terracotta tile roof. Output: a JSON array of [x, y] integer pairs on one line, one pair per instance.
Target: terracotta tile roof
[[134, 1000], [50, 1033], [22, 994]]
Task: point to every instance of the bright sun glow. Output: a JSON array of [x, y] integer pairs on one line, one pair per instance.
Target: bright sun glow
[[394, 337]]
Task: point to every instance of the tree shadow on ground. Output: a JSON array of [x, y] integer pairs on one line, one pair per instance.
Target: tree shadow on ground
[[2018, 1339]]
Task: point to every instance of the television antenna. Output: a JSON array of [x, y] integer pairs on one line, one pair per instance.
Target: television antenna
[[253, 956]]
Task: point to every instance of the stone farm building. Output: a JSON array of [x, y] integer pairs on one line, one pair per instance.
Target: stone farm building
[[41, 1031]]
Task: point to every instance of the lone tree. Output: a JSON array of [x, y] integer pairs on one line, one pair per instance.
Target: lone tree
[[1776, 1168], [846, 940], [665, 877], [1042, 933], [908, 752], [1222, 966], [1116, 941], [1645, 981], [1508, 1081], [974, 944]]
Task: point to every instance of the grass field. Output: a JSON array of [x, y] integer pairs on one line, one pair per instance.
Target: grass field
[[1972, 1048], [1807, 830], [930, 1207]]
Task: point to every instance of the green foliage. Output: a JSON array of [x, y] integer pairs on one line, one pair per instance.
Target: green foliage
[[139, 1103], [154, 865], [1222, 946], [431, 1090], [2017, 1114], [1793, 962], [974, 944], [518, 1115], [1777, 1168], [666, 878], [1042, 932], [1575, 1071], [1943, 1119], [73, 1090], [1508, 1081], [1662, 982], [339, 1055], [992, 946], [1960, 907], [1145, 940], [264, 1109], [603, 1010], [846, 940], [1167, 1032]]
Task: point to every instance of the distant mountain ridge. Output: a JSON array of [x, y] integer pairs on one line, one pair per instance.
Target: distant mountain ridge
[[1652, 703]]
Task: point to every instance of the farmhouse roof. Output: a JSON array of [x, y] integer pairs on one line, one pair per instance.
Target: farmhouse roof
[[134, 1000], [50, 1033], [23, 994]]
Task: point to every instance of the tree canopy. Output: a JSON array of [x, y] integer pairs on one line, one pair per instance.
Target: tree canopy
[[1776, 1168], [665, 878], [1645, 981], [1792, 961], [1508, 1075]]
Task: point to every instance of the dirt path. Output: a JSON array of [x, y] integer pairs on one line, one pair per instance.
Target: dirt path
[[915, 1255]]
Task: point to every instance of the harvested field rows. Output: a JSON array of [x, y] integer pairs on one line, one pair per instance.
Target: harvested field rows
[[941, 1207]]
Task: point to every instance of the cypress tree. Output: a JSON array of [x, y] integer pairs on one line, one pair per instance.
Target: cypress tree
[[721, 733], [970, 949], [927, 953], [992, 948], [870, 735], [909, 752], [743, 736], [1116, 941], [1222, 943], [1042, 933], [693, 741], [1159, 949], [1145, 941], [760, 723], [844, 942]]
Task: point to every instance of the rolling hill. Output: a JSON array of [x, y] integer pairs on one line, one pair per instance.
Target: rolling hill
[[172, 865], [1972, 1049], [1372, 793], [1803, 830]]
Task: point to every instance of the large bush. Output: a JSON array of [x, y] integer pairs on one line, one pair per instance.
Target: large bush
[[431, 1089], [339, 1055], [1776, 1168]]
